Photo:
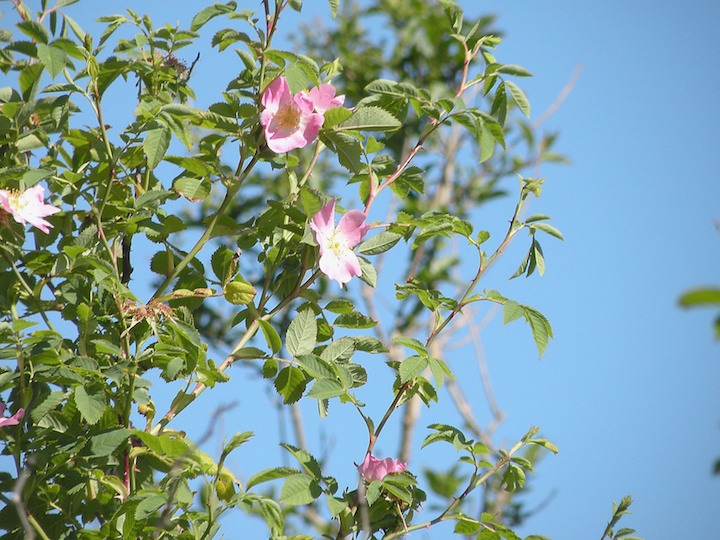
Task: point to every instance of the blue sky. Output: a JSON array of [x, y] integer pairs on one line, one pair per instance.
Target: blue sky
[[629, 388]]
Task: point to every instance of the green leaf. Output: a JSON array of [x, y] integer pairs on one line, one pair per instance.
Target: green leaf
[[290, 383], [272, 337], [301, 335], [326, 389], [370, 119], [411, 367], [52, 57], [297, 78], [299, 490], [354, 320], [223, 262], [369, 274], [307, 460], [512, 69], [315, 367], [239, 292], [540, 327], [339, 350], [237, 440], [91, 406], [347, 148], [379, 243], [706, 296], [268, 475], [334, 5], [519, 97], [104, 444], [465, 525], [205, 14], [486, 142], [296, 5], [193, 189], [499, 104], [440, 370], [34, 30], [155, 145], [411, 343], [149, 505], [340, 305], [512, 311], [549, 229]]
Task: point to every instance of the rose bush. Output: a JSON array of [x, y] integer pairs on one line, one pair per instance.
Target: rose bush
[[185, 237]]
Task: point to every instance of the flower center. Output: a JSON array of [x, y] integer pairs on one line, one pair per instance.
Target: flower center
[[288, 116], [337, 244], [15, 201]]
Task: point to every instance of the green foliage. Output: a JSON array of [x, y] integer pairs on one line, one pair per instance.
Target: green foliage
[[196, 196]]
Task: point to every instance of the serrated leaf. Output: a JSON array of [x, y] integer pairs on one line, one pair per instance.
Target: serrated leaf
[[91, 406], [193, 189], [512, 311], [326, 389], [105, 444], [519, 97], [34, 30], [296, 76], [369, 274], [53, 58], [465, 525], [301, 335], [370, 119], [411, 343], [239, 292], [512, 69], [340, 349], [354, 320], [440, 370], [340, 305], [315, 367], [149, 505], [379, 243], [299, 489], [540, 327], [270, 474], [155, 145], [411, 367], [236, 441], [205, 14], [549, 229], [347, 148], [290, 383], [222, 262]]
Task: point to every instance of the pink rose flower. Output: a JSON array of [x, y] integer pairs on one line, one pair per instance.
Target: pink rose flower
[[14, 420], [290, 121], [376, 469], [324, 98], [337, 259], [28, 206]]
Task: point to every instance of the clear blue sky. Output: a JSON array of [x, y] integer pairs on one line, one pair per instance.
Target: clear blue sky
[[629, 387]]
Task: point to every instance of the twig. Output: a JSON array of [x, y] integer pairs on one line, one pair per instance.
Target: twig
[[17, 500], [560, 99]]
